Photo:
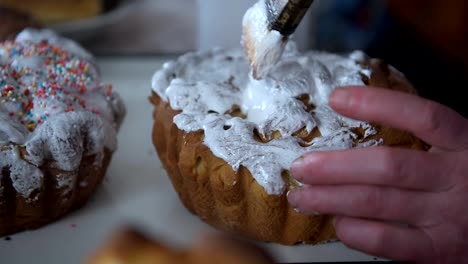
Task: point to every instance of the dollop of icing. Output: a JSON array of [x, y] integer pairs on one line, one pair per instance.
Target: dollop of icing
[[53, 104], [205, 86], [263, 46]]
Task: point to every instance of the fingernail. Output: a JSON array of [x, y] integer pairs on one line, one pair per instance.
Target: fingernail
[[296, 168], [293, 198], [297, 210], [335, 221], [340, 98]]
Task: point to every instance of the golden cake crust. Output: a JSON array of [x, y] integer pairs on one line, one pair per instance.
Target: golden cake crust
[[234, 201], [129, 246], [53, 11]]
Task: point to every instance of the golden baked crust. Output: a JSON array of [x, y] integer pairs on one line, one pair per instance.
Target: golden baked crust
[[53, 11], [128, 246], [53, 201], [234, 201]]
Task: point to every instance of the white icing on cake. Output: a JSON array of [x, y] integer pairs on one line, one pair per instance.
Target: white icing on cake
[[264, 46], [37, 36], [65, 182], [205, 85], [53, 104]]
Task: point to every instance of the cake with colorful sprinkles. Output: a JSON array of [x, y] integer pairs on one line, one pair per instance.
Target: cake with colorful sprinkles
[[58, 128]]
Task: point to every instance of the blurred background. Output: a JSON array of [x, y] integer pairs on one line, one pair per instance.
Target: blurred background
[[425, 39]]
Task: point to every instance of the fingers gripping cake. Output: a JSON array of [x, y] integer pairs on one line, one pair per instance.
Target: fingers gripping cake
[[227, 140], [58, 126]]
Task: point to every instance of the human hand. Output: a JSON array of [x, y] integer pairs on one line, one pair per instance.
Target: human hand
[[371, 189]]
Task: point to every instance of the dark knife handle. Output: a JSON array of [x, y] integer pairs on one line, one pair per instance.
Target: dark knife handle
[[285, 18]]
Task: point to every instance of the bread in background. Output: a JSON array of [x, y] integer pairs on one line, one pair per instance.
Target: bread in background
[[13, 21], [55, 11], [131, 246]]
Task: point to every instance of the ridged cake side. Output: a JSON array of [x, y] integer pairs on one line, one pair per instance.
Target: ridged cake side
[[230, 201]]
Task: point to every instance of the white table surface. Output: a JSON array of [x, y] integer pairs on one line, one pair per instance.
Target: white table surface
[[136, 191]]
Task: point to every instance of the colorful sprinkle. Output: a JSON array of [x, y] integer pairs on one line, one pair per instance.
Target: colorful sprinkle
[[58, 82]]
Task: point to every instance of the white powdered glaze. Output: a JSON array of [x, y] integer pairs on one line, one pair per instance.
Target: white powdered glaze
[[51, 100], [25, 177], [205, 85], [65, 182], [264, 46]]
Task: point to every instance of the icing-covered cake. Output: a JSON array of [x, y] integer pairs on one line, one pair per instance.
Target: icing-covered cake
[[58, 128], [206, 86], [227, 141], [228, 133]]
